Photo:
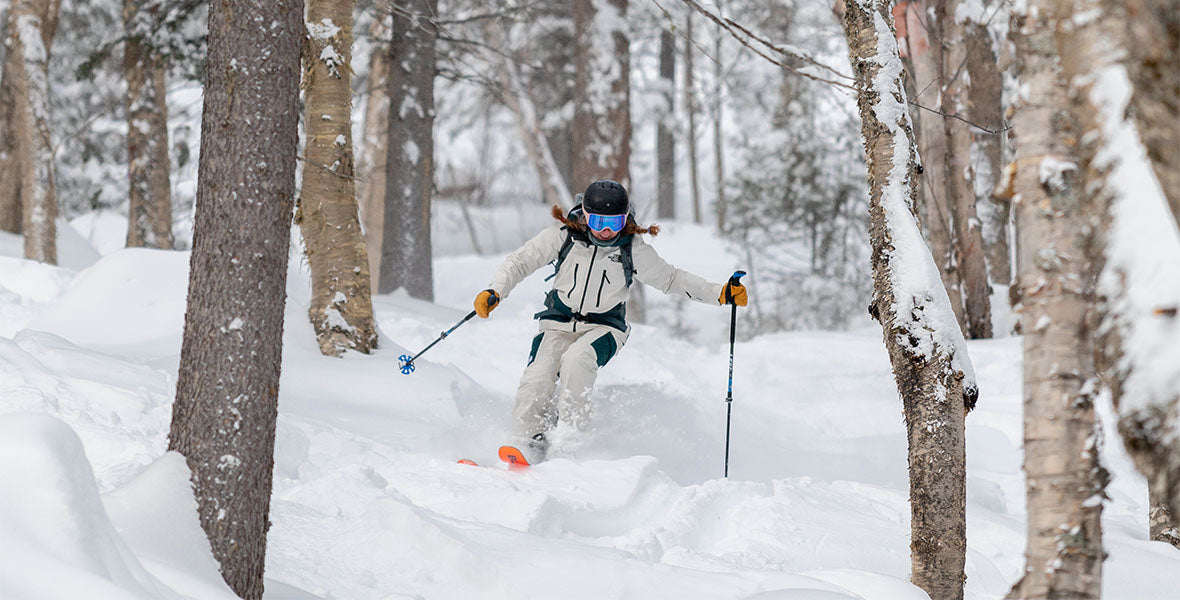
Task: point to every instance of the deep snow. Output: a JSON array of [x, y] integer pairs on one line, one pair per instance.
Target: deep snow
[[370, 503]]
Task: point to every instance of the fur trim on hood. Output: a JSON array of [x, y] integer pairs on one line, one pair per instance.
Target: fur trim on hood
[[632, 227]]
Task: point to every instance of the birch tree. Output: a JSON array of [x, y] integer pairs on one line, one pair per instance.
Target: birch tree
[[1064, 478], [926, 347], [406, 255], [602, 92], [149, 218], [223, 419], [341, 309], [960, 182], [952, 226], [1139, 288], [32, 25]]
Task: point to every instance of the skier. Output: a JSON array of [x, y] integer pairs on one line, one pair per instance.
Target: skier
[[597, 252]]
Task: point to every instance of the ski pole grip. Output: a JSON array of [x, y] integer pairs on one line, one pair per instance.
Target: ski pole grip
[[734, 280]]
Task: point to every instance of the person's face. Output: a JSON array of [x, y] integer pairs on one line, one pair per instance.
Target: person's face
[[604, 235]]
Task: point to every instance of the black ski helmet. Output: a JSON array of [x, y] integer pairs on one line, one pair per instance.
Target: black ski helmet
[[606, 197]]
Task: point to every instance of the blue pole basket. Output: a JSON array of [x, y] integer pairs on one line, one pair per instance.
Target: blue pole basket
[[405, 362]]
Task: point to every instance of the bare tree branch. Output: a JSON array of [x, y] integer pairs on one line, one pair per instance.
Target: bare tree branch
[[743, 35]]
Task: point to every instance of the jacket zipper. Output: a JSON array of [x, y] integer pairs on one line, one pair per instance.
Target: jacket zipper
[[589, 270], [601, 284], [575, 286]]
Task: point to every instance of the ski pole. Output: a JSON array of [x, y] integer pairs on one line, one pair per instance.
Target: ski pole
[[734, 280], [405, 362]]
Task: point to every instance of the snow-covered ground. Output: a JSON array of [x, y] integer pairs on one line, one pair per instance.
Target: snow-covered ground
[[369, 502]]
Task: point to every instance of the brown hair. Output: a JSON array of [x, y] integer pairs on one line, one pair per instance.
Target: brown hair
[[631, 228]]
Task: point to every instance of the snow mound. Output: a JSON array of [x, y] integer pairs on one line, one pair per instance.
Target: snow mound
[[26, 286], [156, 515], [130, 297], [58, 542]]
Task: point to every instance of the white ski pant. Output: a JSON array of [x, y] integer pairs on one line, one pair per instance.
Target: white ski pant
[[565, 362]]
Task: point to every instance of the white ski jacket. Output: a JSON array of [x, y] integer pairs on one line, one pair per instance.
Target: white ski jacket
[[590, 285]]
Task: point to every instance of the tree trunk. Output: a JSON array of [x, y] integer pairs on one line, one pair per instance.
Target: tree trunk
[[718, 138], [1065, 480], [374, 148], [925, 55], [985, 105], [665, 139], [149, 218], [1162, 523], [926, 348], [1139, 289], [1154, 25], [11, 218], [602, 92], [223, 420], [32, 26], [960, 182], [341, 308], [406, 254], [690, 107]]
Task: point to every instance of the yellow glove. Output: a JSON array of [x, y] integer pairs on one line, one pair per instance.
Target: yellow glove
[[488, 299], [736, 292]]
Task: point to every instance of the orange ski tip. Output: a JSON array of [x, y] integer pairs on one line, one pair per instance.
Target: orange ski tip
[[512, 456], [464, 461]]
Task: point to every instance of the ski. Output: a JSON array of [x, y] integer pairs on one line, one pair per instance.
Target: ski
[[513, 456]]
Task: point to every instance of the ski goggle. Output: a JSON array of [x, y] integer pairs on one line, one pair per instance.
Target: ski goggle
[[601, 222]]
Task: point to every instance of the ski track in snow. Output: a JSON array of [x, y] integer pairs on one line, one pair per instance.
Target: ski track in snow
[[370, 503]]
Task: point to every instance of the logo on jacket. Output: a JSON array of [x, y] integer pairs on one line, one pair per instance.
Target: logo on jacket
[[616, 257]]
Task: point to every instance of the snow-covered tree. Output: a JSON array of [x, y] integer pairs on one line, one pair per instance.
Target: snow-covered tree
[[926, 347], [1139, 288], [924, 67], [341, 309], [1152, 61], [223, 419]]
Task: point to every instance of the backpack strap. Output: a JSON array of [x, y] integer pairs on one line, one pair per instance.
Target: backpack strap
[[628, 262], [566, 246]]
